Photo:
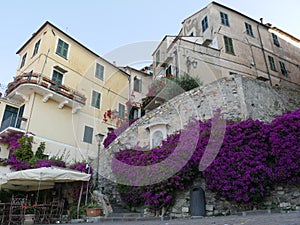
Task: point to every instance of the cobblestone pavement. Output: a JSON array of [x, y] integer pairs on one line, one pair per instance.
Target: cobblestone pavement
[[292, 218]]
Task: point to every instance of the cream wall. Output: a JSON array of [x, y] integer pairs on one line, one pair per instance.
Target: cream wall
[[62, 129], [248, 58]]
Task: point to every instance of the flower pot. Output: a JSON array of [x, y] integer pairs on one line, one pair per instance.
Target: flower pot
[[29, 219], [92, 212]]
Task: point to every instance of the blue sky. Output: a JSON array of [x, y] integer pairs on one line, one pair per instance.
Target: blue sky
[[106, 26]]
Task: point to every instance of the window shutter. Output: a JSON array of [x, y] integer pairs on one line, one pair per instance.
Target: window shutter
[[88, 134]]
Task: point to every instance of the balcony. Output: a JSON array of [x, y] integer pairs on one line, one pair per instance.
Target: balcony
[[25, 84]]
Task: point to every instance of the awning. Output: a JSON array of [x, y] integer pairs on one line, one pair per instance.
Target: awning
[[41, 178]]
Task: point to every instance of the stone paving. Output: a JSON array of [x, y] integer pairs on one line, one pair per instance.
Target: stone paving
[[292, 218]]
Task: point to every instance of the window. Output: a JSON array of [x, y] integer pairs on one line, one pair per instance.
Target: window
[[204, 23], [157, 57], [121, 111], [36, 47], [57, 77], [88, 134], [99, 73], [137, 84], [275, 40], [134, 113], [282, 68], [23, 60], [96, 98], [169, 71], [224, 18], [62, 48], [272, 63], [249, 29], [228, 45]]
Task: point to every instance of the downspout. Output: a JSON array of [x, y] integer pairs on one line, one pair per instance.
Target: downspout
[[264, 55], [129, 94]]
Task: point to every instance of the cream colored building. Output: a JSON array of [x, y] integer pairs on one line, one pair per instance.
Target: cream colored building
[[218, 41], [60, 93], [140, 81]]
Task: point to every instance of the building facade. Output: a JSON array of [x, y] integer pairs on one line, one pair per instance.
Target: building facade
[[140, 81], [218, 41], [60, 93]]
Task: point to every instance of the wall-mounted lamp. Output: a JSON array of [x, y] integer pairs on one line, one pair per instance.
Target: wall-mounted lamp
[[189, 63]]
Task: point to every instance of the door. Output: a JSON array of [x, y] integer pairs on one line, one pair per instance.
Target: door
[[197, 202], [10, 117]]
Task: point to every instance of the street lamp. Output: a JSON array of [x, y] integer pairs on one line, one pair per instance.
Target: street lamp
[[99, 138]]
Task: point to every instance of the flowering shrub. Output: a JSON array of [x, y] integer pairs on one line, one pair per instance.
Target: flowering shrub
[[254, 156], [285, 147], [112, 135], [241, 171], [82, 167], [49, 163]]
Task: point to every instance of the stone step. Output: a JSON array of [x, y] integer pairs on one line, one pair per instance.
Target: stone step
[[126, 215], [103, 219]]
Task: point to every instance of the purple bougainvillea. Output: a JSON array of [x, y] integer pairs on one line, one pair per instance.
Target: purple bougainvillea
[[112, 135], [254, 156]]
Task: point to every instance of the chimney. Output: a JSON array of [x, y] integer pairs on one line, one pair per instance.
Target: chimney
[[261, 20]]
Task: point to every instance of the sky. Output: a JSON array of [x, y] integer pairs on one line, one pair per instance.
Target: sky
[[120, 27]]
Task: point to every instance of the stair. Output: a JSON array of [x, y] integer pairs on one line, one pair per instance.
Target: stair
[[122, 217]]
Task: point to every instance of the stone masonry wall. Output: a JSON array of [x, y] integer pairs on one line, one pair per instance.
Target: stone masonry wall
[[237, 97]]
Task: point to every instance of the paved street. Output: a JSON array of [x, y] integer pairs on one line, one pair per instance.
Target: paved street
[[292, 218]]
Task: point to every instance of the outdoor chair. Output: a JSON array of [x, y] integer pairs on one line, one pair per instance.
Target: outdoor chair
[[56, 211], [16, 211], [4, 212]]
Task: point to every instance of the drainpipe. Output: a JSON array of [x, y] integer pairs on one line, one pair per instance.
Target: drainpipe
[[129, 92], [264, 55]]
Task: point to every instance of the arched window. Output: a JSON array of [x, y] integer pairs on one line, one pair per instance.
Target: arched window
[[157, 138]]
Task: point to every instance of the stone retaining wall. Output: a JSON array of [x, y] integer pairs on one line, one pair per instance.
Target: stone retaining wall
[[238, 98]]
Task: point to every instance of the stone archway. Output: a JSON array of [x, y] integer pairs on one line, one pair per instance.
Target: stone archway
[[197, 201]]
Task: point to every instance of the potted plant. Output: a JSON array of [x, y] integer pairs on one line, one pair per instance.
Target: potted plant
[[93, 209]]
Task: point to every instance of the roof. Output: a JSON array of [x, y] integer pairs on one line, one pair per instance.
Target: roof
[[68, 36], [134, 69], [241, 14]]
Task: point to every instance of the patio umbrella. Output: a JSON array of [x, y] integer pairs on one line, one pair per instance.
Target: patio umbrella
[[40, 178], [43, 178]]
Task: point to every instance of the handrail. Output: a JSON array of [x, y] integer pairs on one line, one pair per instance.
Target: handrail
[[34, 78]]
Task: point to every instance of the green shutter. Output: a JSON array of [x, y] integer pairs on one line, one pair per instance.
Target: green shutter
[[99, 71], [121, 111], [88, 134], [228, 45], [62, 48], [96, 97]]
